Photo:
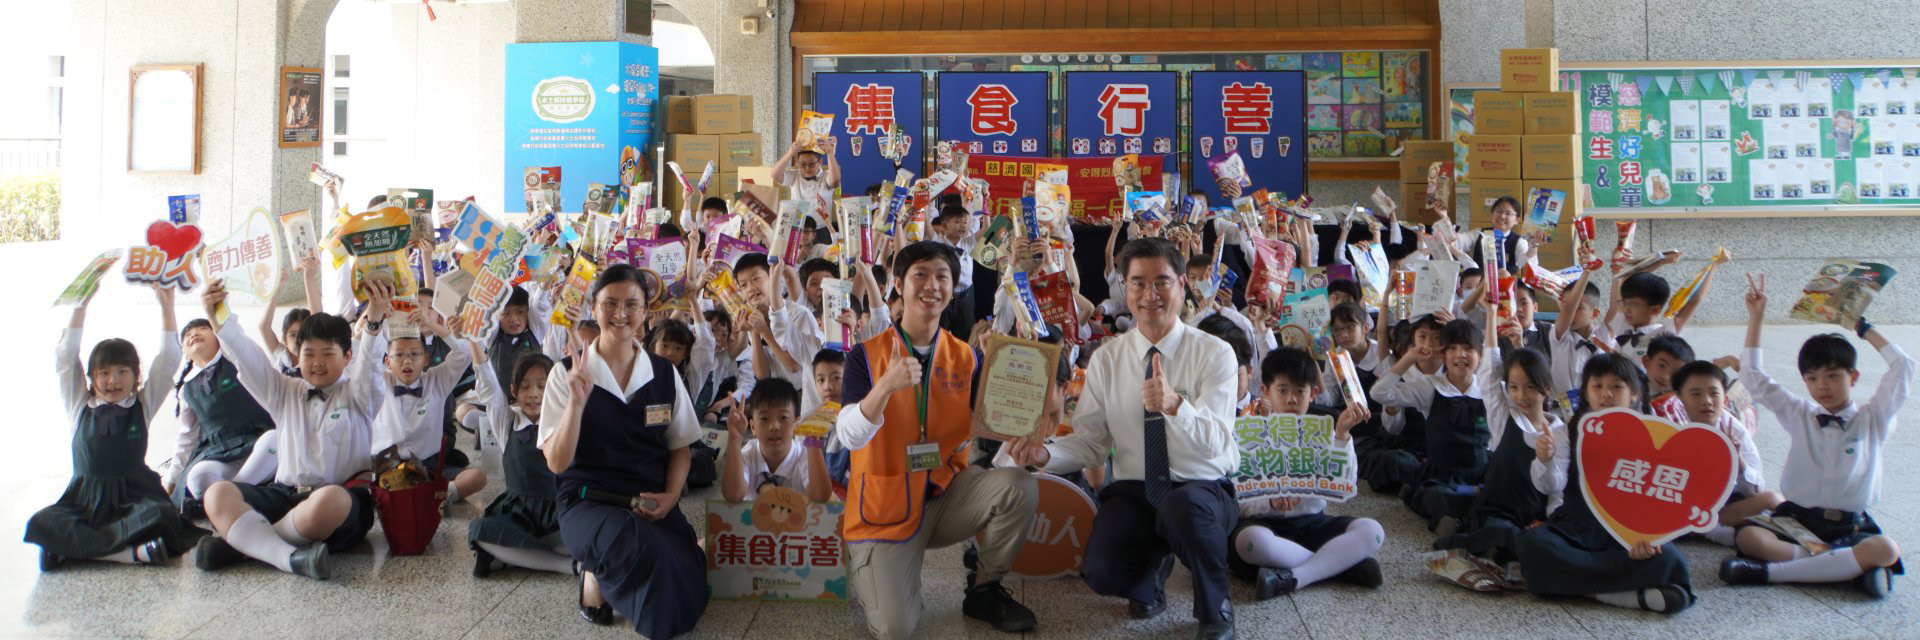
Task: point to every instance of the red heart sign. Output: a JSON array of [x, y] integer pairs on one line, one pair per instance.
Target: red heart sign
[[1649, 480], [175, 240]]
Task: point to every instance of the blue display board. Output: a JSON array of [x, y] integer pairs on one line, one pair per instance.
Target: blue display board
[[1112, 113], [575, 105], [995, 113], [863, 105], [1259, 114]]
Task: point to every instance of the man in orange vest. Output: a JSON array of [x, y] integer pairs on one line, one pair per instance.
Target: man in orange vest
[[907, 398], [1172, 442]]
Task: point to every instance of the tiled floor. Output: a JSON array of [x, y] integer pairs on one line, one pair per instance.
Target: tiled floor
[[433, 596]]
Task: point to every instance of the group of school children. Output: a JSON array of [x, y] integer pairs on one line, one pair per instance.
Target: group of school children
[[597, 430]]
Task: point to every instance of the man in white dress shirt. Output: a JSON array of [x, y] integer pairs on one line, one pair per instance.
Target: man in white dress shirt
[[1173, 449]]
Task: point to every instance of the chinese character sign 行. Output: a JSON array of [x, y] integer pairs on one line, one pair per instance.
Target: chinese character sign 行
[[865, 106], [776, 547], [1113, 113], [1292, 456], [1003, 114], [1258, 114], [1649, 480]]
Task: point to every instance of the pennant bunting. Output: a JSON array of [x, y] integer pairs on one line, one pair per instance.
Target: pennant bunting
[[1706, 83], [1646, 84], [1686, 85], [1726, 78], [1665, 82], [1747, 76], [1856, 78]]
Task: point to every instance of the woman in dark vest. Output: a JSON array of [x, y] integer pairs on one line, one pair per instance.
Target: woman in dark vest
[[618, 438], [1504, 229], [221, 424]]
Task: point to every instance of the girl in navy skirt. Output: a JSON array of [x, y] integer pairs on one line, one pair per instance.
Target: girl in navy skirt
[[619, 438], [1572, 554], [521, 527], [114, 509]]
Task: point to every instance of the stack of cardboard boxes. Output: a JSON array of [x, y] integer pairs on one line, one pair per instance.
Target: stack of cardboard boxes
[[713, 128], [1526, 136], [1416, 157]]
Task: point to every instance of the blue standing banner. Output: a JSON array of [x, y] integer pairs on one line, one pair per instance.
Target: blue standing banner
[[863, 106], [1112, 113], [1259, 114], [575, 105], [995, 113]]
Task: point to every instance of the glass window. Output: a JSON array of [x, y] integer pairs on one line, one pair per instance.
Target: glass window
[[342, 66], [339, 111]]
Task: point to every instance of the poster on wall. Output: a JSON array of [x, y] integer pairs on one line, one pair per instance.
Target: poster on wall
[[1110, 113], [1257, 114], [1095, 198], [575, 105], [865, 108], [302, 106], [1002, 114]]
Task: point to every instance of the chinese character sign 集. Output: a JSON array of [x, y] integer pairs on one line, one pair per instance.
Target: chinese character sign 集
[[994, 112], [1258, 114], [865, 107]]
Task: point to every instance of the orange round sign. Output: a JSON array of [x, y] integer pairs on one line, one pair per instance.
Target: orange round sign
[[1058, 537]]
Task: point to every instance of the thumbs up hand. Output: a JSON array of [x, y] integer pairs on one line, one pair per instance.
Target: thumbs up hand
[[1156, 394], [903, 371]]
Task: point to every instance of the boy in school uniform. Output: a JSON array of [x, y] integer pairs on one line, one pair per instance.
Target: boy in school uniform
[[1832, 474], [1633, 317], [1665, 356], [769, 456], [1702, 389], [325, 422], [414, 402], [1573, 340], [781, 331], [1284, 544]]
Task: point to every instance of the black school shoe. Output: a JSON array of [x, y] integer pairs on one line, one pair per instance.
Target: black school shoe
[[1365, 573], [992, 603], [50, 560], [601, 615], [213, 553], [1270, 583], [1143, 610], [1215, 631], [154, 552], [312, 561], [1738, 570], [1877, 582], [193, 509], [482, 563]]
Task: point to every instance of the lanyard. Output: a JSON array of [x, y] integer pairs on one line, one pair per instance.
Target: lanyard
[[926, 373]]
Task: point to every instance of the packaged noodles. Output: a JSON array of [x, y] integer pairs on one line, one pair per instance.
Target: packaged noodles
[[1348, 376], [573, 293], [1229, 168], [856, 229], [1688, 291], [814, 127]]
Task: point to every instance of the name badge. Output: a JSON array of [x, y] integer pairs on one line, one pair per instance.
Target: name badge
[[658, 414], [924, 456]]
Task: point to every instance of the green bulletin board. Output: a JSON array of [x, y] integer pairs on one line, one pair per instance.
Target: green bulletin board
[[1749, 139]]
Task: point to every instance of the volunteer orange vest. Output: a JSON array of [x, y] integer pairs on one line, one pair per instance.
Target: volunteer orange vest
[[885, 502]]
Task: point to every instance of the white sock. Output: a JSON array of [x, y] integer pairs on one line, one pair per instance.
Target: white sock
[[1833, 566], [123, 556], [531, 558], [1722, 535], [1631, 599], [251, 534], [1362, 539], [1259, 546], [206, 472], [264, 460], [290, 533]]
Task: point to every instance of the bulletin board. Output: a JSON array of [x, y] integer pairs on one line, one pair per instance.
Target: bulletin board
[[1749, 139]]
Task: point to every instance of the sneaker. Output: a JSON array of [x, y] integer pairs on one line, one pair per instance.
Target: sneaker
[[1270, 583], [1877, 582], [312, 561], [482, 563], [213, 553], [992, 603], [154, 552], [1738, 570], [1365, 573]]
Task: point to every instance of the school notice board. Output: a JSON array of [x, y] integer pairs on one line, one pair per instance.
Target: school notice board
[[1749, 140]]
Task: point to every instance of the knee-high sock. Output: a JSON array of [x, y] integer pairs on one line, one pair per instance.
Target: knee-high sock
[[1362, 539], [264, 460], [251, 534], [206, 472], [1261, 547], [290, 533], [1832, 566], [1722, 535], [531, 558], [1656, 601]]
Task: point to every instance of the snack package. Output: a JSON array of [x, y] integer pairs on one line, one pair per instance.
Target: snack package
[[1586, 255], [1439, 184], [1400, 296], [1840, 292], [814, 128], [1051, 202], [1273, 262], [1054, 292], [1623, 253], [1147, 207], [817, 424], [728, 249], [1543, 215], [1344, 372], [1230, 168], [1028, 316], [836, 295], [727, 294], [1126, 173], [573, 293], [1686, 292], [542, 185]]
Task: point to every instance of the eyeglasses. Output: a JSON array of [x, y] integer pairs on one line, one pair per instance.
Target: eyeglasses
[[1162, 285]]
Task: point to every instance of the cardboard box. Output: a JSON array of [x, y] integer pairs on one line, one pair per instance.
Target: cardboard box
[[739, 150], [1412, 201], [722, 113], [1529, 70], [1417, 155], [1499, 113], [1549, 157], [723, 186], [693, 152], [1481, 195], [1556, 112], [679, 114], [758, 174], [1496, 157]]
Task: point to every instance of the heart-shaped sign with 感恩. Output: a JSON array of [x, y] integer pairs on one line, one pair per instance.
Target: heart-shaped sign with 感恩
[[1649, 480], [175, 240]]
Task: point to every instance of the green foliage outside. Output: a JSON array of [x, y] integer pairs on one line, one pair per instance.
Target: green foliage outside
[[30, 207]]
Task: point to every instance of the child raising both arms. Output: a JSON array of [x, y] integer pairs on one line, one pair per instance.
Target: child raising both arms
[[411, 414], [1832, 474], [114, 508]]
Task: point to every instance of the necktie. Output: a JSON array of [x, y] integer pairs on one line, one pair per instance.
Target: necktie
[[405, 391], [1159, 481], [705, 398], [317, 392], [1830, 420]]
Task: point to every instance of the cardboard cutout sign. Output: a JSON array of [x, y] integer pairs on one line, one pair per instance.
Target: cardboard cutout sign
[[776, 547], [1649, 480], [249, 260], [167, 257], [1057, 541]]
